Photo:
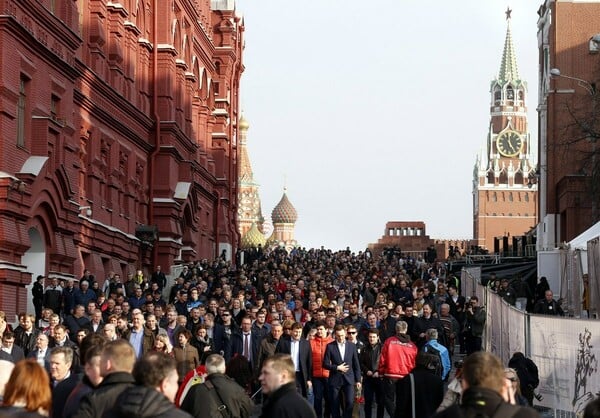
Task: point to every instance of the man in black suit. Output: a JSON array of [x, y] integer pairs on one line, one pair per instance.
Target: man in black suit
[[341, 359], [245, 342], [63, 380], [9, 347], [41, 353], [301, 353], [159, 278], [221, 342]]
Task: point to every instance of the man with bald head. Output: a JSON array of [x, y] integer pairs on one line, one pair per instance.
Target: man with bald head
[[116, 363]]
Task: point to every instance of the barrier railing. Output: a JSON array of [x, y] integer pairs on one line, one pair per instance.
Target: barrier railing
[[566, 350]]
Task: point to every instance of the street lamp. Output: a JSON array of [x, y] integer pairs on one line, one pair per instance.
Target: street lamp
[[591, 88]]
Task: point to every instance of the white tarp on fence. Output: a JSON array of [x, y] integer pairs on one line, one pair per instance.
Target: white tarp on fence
[[566, 352]]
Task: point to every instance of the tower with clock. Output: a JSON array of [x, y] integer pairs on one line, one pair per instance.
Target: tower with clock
[[504, 182]]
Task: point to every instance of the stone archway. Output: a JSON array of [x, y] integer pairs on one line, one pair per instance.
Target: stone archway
[[34, 261]]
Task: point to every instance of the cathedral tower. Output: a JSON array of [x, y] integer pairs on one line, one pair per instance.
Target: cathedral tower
[[504, 190], [284, 217], [249, 209]]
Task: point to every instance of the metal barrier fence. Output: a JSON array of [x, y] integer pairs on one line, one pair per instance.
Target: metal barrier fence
[[566, 350]]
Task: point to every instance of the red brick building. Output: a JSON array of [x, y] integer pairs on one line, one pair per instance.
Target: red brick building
[[569, 45], [115, 115], [504, 195]]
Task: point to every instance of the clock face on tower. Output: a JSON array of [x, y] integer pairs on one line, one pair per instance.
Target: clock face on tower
[[509, 143]]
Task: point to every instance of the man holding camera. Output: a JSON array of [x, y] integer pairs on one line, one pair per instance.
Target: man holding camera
[[474, 325]]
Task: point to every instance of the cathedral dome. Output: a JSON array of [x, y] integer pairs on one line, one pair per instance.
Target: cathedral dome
[[253, 238], [284, 212], [243, 124]]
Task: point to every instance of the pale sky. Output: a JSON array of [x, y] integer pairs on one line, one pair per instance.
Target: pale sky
[[374, 111]]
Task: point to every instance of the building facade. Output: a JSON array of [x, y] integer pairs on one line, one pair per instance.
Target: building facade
[[569, 123], [504, 191], [119, 136]]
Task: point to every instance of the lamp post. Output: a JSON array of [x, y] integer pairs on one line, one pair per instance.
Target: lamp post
[[591, 89]]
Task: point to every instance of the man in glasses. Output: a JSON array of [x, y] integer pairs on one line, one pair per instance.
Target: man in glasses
[[352, 336]]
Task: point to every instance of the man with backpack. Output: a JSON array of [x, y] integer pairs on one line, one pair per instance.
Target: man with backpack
[[433, 347], [218, 396], [527, 372]]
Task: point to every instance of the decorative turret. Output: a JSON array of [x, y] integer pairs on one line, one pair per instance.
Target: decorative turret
[[284, 216], [249, 205], [253, 238], [284, 212]]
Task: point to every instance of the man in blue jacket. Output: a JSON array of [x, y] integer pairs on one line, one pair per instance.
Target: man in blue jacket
[[433, 347]]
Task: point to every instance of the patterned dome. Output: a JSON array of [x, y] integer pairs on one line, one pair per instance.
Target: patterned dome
[[253, 238], [284, 212]]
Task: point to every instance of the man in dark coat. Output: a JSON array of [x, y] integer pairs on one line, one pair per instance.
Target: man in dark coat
[[301, 353], [428, 389], [159, 278], [63, 380], [387, 324], [26, 333], [37, 292], [277, 380], [483, 381], [369, 365], [154, 394], [116, 364], [528, 375], [341, 359], [9, 347], [41, 352], [217, 392], [548, 306]]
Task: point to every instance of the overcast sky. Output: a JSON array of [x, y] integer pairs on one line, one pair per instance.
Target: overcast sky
[[374, 111]]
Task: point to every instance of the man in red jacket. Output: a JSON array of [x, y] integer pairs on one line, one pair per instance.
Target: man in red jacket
[[397, 359], [320, 374]]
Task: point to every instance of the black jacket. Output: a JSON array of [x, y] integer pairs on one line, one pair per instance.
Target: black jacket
[[478, 401], [202, 401], [369, 358], [145, 402], [286, 402], [26, 341], [100, 402], [61, 392], [305, 356], [429, 393]]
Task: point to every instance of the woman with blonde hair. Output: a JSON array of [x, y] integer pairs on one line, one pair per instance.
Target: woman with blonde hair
[[163, 345], [28, 389]]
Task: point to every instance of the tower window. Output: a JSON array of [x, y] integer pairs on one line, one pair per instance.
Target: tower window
[[497, 96], [22, 110], [527, 197], [510, 94]]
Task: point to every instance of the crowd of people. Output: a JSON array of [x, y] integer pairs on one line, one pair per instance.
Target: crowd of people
[[306, 333]]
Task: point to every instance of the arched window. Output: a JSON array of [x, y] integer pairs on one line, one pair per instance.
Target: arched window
[[527, 197], [497, 95], [510, 94]]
